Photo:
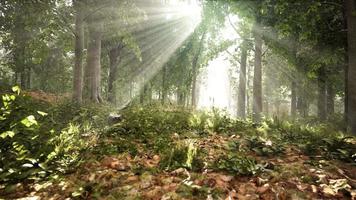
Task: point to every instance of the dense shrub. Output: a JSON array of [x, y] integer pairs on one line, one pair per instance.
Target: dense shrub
[[37, 138]]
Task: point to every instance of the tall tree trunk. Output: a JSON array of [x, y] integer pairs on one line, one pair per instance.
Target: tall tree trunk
[[20, 46], [294, 99], [257, 78], [321, 94], [330, 99], [302, 93], [180, 96], [23, 79], [93, 60], [241, 109], [248, 98], [145, 94], [346, 67], [195, 69], [79, 47], [28, 77], [351, 26], [114, 60], [346, 99], [164, 85]]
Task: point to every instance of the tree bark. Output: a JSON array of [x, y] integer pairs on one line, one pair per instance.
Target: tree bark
[[351, 25], [195, 70], [114, 60], [242, 83], [93, 60], [330, 99], [257, 78], [294, 99], [321, 94], [346, 61], [79, 47], [28, 77], [164, 85]]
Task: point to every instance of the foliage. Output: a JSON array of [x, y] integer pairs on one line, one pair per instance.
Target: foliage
[[33, 144], [184, 154], [217, 121], [22, 148], [153, 119], [315, 139], [261, 146], [240, 164]]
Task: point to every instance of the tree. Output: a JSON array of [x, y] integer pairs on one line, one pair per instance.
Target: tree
[[257, 76], [242, 81], [79, 48], [114, 59], [351, 33], [95, 28], [195, 66]]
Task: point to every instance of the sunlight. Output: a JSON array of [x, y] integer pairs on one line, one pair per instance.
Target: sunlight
[[192, 10], [215, 91], [165, 29]]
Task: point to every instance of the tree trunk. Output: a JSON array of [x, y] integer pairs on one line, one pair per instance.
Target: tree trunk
[[257, 78], [164, 85], [351, 25], [114, 57], [248, 98], [330, 99], [346, 61], [195, 70], [242, 83], [28, 77], [20, 47], [23, 80], [321, 94], [294, 99], [145, 94], [93, 60], [79, 47], [302, 104]]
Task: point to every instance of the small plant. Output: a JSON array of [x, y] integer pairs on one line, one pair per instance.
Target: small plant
[[238, 164], [184, 154], [264, 147]]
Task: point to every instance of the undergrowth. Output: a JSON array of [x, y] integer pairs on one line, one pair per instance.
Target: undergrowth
[[40, 139]]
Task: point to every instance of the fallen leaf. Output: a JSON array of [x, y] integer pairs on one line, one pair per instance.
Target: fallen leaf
[[263, 189], [226, 178]]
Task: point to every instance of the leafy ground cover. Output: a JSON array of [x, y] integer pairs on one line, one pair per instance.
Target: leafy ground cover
[[66, 151]]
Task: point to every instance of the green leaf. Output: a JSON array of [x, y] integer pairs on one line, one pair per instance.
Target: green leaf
[[27, 165], [16, 89], [29, 121], [7, 134], [42, 113]]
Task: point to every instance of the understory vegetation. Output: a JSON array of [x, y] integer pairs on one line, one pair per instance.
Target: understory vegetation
[[66, 150]]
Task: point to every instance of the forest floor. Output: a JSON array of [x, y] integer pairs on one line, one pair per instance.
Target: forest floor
[[169, 154]]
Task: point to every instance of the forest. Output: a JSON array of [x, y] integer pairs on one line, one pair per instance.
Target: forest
[[177, 99]]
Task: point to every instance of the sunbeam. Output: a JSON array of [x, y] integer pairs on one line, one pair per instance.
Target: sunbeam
[[162, 31]]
